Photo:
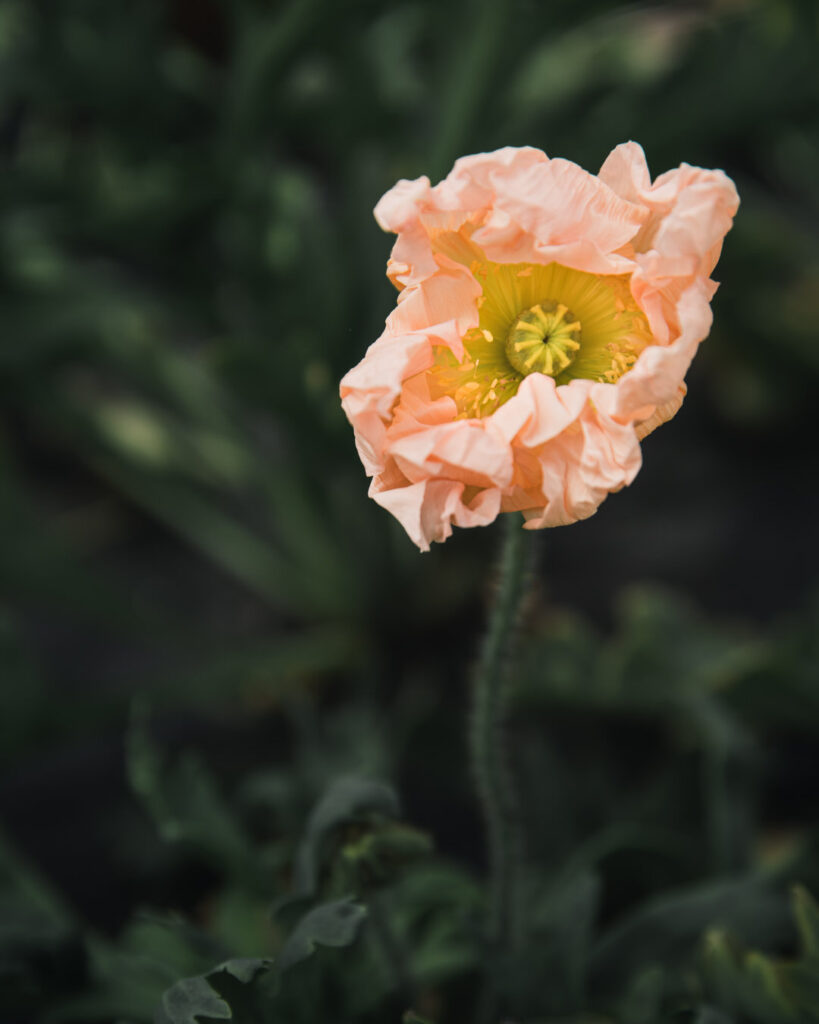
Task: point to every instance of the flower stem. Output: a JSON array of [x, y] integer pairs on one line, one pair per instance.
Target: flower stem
[[488, 752]]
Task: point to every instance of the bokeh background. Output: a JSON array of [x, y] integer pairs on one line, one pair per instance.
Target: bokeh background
[[188, 265]]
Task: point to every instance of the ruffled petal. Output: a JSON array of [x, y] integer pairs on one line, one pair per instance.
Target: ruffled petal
[[444, 305], [469, 451], [690, 211], [398, 208], [428, 509], [565, 214], [540, 410], [656, 377], [581, 466]]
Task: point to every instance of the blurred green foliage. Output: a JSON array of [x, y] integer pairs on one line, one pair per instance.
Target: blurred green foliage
[[188, 264], [646, 876]]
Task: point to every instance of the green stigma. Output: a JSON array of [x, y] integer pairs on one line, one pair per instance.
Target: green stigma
[[543, 339]]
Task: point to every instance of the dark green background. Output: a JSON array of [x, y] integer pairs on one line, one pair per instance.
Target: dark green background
[[188, 265]]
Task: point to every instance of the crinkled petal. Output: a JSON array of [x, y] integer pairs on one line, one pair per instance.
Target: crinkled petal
[[656, 377], [398, 208], [662, 414], [427, 509], [690, 211], [444, 304], [469, 451], [565, 214], [581, 466]]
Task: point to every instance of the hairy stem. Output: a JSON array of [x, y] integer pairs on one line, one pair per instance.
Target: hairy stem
[[490, 766]]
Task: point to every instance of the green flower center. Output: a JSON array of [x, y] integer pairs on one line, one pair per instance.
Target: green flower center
[[543, 339]]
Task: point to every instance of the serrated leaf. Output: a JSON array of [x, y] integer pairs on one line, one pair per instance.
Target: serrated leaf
[[192, 998], [242, 968], [331, 924], [188, 1000]]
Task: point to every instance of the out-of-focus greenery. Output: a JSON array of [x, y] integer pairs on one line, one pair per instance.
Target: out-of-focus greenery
[[188, 264]]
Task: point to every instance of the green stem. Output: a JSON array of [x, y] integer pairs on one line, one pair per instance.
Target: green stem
[[489, 756]]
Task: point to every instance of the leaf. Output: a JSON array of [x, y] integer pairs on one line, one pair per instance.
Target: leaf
[[670, 925], [433, 910], [331, 924], [184, 801], [192, 998], [758, 988], [349, 799], [749, 984]]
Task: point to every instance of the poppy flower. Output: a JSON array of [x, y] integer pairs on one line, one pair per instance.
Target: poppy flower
[[545, 321]]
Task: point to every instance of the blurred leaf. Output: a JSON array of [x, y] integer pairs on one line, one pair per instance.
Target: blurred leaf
[[669, 926], [190, 999], [349, 800], [642, 1003], [329, 924], [434, 909], [185, 804], [193, 998]]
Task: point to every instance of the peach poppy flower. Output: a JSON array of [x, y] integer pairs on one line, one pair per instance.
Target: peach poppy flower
[[545, 322]]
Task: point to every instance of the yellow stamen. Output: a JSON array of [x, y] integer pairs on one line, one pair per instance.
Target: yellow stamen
[[536, 318], [548, 333]]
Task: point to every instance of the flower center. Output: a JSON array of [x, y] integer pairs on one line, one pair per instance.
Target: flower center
[[543, 339], [530, 318]]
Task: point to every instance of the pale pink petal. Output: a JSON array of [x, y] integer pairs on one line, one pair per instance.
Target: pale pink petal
[[399, 207], [444, 304], [474, 181], [626, 172], [375, 383], [662, 414], [690, 211], [655, 378], [370, 389], [565, 211], [469, 451], [580, 467], [427, 510], [540, 410]]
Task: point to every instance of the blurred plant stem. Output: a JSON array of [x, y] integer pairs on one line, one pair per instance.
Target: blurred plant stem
[[470, 73], [490, 763], [392, 948]]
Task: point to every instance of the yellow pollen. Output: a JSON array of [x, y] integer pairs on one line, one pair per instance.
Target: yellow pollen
[[539, 318]]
